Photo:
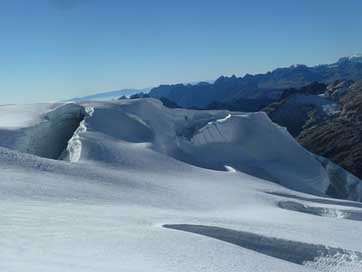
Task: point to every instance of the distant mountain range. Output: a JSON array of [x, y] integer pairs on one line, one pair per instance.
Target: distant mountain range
[[253, 92], [110, 95]]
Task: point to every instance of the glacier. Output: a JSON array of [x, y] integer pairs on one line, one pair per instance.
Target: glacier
[[131, 185]]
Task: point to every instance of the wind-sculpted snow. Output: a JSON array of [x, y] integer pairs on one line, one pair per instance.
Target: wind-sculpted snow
[[217, 140], [120, 125], [319, 257], [129, 167], [48, 136], [251, 143]]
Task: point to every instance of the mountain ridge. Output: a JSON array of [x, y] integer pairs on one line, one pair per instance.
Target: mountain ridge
[[228, 89]]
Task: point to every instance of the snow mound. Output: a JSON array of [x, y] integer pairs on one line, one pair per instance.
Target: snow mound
[[251, 143]]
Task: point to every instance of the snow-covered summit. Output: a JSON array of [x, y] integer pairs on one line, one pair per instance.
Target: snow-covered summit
[[356, 58]]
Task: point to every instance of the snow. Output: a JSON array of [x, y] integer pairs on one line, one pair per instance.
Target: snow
[[356, 58], [157, 189], [343, 180], [248, 150], [331, 109], [328, 106], [20, 116], [42, 133]]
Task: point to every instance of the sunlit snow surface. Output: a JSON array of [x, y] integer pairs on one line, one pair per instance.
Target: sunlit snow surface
[[157, 189]]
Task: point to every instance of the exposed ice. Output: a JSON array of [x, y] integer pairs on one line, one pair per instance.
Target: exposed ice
[[74, 148]]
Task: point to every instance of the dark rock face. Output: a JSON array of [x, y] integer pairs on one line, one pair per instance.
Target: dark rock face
[[300, 107], [339, 138], [139, 95], [169, 104], [326, 120], [338, 89]]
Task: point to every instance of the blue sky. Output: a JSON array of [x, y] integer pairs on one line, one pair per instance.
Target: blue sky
[[56, 49]]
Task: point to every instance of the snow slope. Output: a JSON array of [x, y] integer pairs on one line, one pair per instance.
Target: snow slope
[[156, 189]]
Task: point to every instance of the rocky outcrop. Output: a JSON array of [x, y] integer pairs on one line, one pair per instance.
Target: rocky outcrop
[[339, 138], [302, 107]]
